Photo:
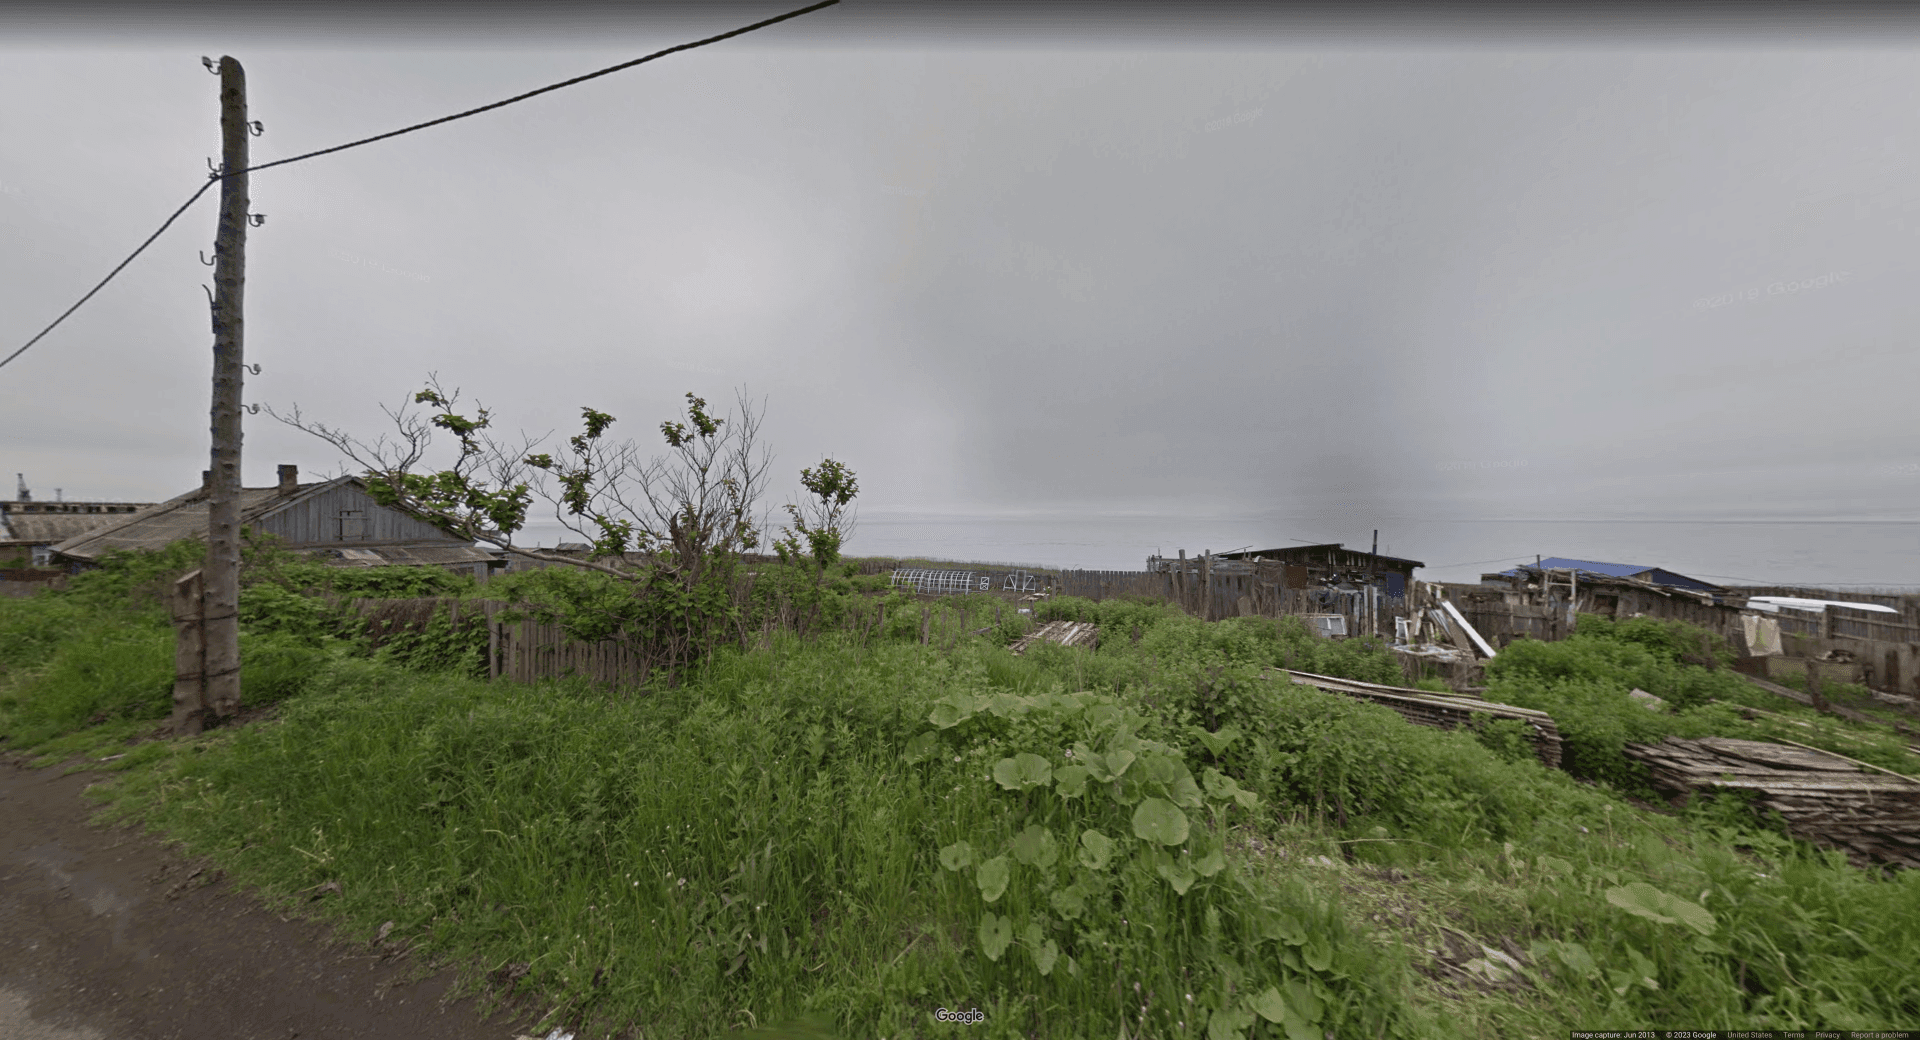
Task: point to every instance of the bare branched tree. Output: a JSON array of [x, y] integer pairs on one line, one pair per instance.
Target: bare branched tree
[[673, 525]]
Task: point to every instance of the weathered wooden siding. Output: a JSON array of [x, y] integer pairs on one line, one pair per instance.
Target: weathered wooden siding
[[317, 521]]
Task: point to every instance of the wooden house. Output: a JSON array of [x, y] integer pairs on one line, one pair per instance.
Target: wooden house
[[1306, 567], [336, 521]]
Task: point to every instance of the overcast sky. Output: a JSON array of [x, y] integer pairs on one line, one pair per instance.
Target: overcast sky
[[1574, 274]]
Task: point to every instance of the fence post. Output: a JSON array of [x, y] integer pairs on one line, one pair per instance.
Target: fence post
[[1206, 583], [493, 641], [189, 654]]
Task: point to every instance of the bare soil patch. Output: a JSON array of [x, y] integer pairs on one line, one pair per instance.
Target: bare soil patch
[[111, 935]]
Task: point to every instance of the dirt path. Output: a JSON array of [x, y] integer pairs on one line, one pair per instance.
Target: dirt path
[[107, 935]]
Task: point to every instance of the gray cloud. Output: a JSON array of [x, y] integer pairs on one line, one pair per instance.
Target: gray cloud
[[1336, 282]]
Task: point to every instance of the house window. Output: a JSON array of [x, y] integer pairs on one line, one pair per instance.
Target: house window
[[353, 525]]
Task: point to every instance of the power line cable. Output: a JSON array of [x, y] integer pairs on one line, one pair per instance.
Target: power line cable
[[217, 177], [116, 270], [1477, 563]]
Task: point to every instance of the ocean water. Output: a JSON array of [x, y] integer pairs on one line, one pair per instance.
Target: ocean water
[[1826, 553], [1822, 553]]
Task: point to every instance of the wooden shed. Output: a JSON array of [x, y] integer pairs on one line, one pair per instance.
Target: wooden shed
[[335, 519]]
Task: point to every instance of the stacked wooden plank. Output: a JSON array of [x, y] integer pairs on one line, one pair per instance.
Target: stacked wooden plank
[[1441, 710], [1823, 798], [1065, 633]]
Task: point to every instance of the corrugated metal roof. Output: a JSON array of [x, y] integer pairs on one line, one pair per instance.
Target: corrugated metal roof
[[406, 555], [1286, 552], [1611, 570], [1772, 604], [1655, 575], [52, 528], [185, 517]]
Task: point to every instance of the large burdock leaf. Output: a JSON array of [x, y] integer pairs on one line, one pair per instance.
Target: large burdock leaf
[[1096, 850], [957, 856], [1118, 760], [1210, 858], [1286, 928], [992, 878], [1317, 953], [1229, 1024], [1007, 705], [1070, 781], [1218, 742], [921, 748], [1301, 999], [1158, 820], [1095, 762], [1269, 1004], [1185, 793], [996, 931], [1035, 847], [1644, 900], [1022, 771], [1158, 769], [1046, 955], [952, 711], [1070, 902], [1176, 869]]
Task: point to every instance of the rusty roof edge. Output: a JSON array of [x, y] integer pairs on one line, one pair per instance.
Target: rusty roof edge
[[69, 546]]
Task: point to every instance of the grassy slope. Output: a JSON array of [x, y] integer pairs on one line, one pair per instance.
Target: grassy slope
[[767, 840]]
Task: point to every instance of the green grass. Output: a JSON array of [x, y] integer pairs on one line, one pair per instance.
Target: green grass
[[858, 829]]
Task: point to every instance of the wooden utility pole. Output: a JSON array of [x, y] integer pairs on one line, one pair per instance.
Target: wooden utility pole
[[222, 570]]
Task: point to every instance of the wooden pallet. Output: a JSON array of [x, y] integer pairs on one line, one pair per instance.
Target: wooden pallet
[[1065, 633], [1825, 799], [1440, 710]]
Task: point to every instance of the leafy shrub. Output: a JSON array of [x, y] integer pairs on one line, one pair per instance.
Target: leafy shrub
[[1116, 617], [268, 608], [1114, 838], [276, 666], [1510, 739], [134, 580]]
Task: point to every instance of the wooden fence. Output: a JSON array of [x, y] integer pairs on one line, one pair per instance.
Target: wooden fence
[[522, 650], [1238, 592], [526, 651]]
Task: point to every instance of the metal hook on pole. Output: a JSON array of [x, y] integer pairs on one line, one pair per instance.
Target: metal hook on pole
[[256, 219], [212, 66], [252, 409], [212, 170], [257, 128], [209, 293], [204, 260], [254, 369]]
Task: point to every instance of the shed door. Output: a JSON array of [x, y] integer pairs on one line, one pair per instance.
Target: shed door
[[352, 525]]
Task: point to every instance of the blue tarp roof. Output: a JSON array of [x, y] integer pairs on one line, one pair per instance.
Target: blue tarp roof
[[1657, 575]]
